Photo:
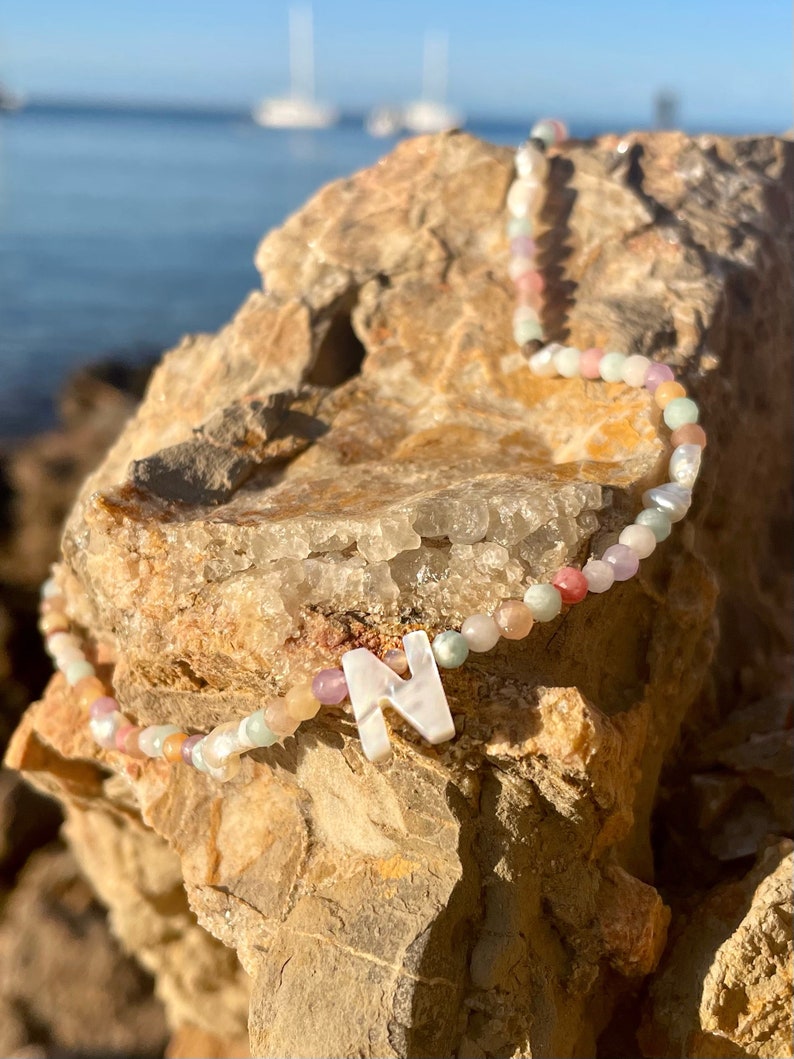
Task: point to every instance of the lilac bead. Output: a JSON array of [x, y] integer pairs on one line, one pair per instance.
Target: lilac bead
[[624, 561], [522, 246], [329, 687], [599, 575], [102, 706], [186, 750], [656, 375]]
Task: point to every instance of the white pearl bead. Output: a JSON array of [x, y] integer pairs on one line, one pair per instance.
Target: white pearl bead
[[673, 499], [221, 744], [530, 162], [641, 540], [543, 363], [685, 465], [566, 361], [480, 632], [521, 197], [635, 368]]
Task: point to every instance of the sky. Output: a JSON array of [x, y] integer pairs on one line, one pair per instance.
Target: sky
[[729, 62]]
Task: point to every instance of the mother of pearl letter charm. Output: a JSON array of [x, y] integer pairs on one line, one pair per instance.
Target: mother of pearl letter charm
[[420, 700]]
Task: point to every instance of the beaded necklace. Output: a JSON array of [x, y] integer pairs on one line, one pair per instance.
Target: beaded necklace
[[408, 680]]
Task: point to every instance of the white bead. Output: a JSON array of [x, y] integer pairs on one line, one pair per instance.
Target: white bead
[[103, 729], [196, 755], [151, 739], [610, 367], [420, 700], [221, 744], [599, 575], [480, 632], [685, 465], [566, 361], [530, 162], [521, 197], [49, 589], [641, 540], [542, 363], [518, 266], [544, 601], [66, 656], [635, 368], [226, 772], [75, 671], [673, 499]]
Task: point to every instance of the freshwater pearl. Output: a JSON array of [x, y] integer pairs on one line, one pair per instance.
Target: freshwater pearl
[[666, 392], [530, 162], [599, 575], [611, 367], [641, 539], [153, 736], [566, 361], [624, 561], [514, 619], [679, 411], [527, 331], [685, 465], [450, 649], [571, 584], [480, 632], [255, 731], [657, 521], [221, 744], [689, 434], [75, 671], [522, 196], [671, 498], [103, 729], [542, 363], [279, 720], [589, 363], [544, 601], [396, 659], [300, 703], [228, 770], [103, 706], [518, 226], [657, 374], [329, 687], [635, 368]]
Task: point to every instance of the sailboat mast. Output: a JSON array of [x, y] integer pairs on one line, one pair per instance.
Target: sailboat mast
[[301, 52]]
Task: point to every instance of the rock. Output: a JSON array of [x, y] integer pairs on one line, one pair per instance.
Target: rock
[[491, 896], [726, 985]]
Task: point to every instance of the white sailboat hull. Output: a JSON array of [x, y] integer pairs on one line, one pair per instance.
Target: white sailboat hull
[[426, 116], [290, 112]]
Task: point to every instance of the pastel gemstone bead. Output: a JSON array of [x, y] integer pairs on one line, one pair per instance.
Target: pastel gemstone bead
[[67, 655], [641, 539], [396, 660], [186, 750], [524, 312], [527, 331], [549, 131], [127, 741], [301, 703], [221, 744], [523, 246], [689, 434], [590, 363], [544, 601], [329, 687], [671, 498], [611, 367], [566, 361], [75, 671], [530, 283], [49, 588], [635, 368], [514, 619], [103, 729], [665, 392], [197, 755], [519, 266], [624, 561], [521, 197], [543, 363], [55, 621], [172, 747], [153, 736], [53, 603], [255, 731], [679, 411], [530, 162], [279, 720], [88, 690], [656, 521], [571, 584], [685, 465], [599, 575], [60, 640], [657, 374], [518, 226], [450, 649], [103, 706], [480, 632]]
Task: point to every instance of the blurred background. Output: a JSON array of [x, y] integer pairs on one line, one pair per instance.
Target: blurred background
[[145, 148]]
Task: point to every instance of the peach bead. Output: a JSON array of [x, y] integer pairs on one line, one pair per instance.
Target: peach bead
[[514, 619], [278, 720], [88, 690], [52, 603], [688, 434], [589, 363], [300, 702], [172, 746], [55, 621], [530, 283], [666, 392]]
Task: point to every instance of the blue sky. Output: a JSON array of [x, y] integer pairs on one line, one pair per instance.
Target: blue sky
[[730, 62]]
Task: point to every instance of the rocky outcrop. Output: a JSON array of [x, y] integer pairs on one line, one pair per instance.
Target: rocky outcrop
[[492, 896]]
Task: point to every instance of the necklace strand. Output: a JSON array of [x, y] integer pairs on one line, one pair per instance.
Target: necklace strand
[[371, 683]]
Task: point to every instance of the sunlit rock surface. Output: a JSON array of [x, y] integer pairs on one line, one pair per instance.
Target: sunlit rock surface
[[492, 896]]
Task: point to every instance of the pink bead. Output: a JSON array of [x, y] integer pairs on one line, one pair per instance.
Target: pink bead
[[395, 659], [571, 584], [279, 720], [329, 687], [589, 363], [560, 129], [127, 740], [657, 374], [624, 560], [523, 246], [102, 706], [530, 283], [186, 750]]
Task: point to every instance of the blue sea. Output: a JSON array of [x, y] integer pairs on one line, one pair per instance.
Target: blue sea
[[120, 230]]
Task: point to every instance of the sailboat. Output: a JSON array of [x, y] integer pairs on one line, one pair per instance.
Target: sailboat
[[10, 101], [430, 113], [298, 110]]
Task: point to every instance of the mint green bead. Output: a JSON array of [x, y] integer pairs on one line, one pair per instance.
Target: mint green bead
[[450, 649], [518, 226], [610, 367], [544, 601], [257, 731], [527, 331], [679, 412], [656, 521]]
